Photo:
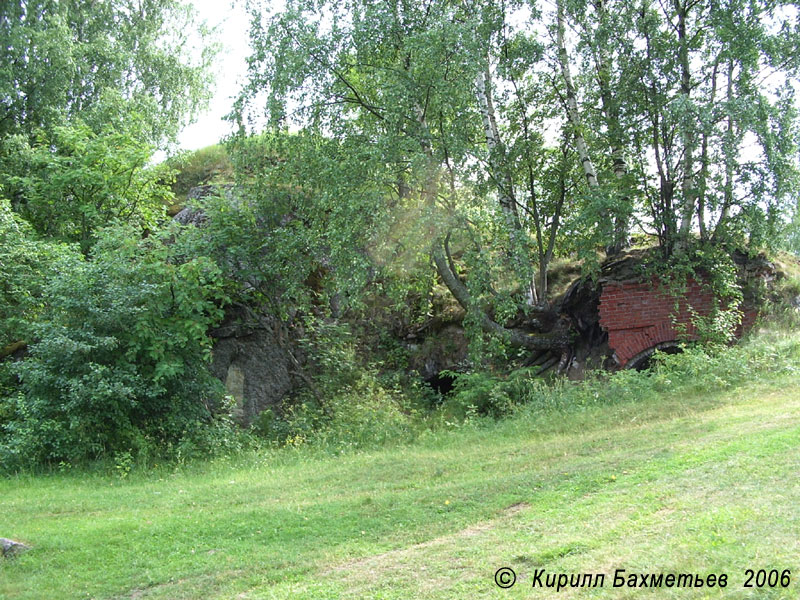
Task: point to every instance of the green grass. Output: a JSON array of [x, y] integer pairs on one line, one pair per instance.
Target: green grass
[[200, 167], [686, 481]]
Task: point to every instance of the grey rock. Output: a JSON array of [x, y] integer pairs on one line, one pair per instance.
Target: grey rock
[[214, 189], [191, 216], [11, 548], [254, 364]]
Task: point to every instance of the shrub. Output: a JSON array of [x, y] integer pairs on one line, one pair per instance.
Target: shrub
[[119, 358], [478, 393], [26, 263], [362, 410], [351, 405], [71, 181], [698, 369]]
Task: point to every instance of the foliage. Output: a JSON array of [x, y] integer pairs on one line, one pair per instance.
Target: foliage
[[102, 62], [710, 264], [26, 264], [698, 99], [660, 478], [71, 181], [458, 96], [401, 111], [364, 414], [694, 370], [791, 235], [783, 307], [484, 118], [118, 361], [350, 405], [357, 408], [295, 232], [484, 139], [478, 393]]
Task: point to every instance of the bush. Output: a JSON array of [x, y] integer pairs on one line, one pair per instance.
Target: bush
[[359, 408], [26, 263], [71, 181], [119, 358], [479, 393], [362, 415], [350, 405], [698, 369]]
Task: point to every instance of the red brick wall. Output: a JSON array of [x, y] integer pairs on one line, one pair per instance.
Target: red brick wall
[[638, 316]]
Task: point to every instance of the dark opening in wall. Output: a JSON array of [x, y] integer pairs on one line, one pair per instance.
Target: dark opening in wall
[[643, 360], [442, 382]]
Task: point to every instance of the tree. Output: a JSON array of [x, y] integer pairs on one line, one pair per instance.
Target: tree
[[26, 263], [118, 353], [410, 94], [604, 44], [715, 114], [452, 107], [72, 181], [100, 61], [706, 134], [87, 91]]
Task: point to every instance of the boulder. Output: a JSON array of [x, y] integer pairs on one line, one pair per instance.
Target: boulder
[[189, 215], [11, 548], [215, 189]]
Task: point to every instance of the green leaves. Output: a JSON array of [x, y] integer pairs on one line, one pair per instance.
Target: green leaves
[[26, 264], [525, 135], [118, 354], [100, 61], [71, 181]]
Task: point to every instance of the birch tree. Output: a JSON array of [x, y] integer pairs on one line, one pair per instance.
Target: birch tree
[[518, 132], [715, 97], [429, 89]]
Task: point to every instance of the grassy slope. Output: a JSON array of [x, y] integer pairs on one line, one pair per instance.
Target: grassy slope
[[700, 483]]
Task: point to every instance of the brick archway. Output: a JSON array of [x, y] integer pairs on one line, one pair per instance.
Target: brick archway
[[640, 316], [636, 360]]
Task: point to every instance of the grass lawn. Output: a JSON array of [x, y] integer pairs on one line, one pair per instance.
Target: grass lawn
[[696, 483]]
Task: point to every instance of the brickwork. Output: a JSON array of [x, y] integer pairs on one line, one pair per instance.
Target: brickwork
[[638, 316]]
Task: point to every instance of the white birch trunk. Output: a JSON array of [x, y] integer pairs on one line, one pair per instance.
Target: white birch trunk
[[572, 104], [504, 183]]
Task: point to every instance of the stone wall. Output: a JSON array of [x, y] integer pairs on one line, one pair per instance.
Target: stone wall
[[254, 364]]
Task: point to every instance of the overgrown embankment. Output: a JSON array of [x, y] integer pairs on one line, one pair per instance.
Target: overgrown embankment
[[688, 469]]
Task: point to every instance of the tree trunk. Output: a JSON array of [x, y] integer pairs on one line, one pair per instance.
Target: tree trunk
[[12, 349], [729, 146], [504, 183], [573, 115], [555, 340], [687, 209], [612, 117]]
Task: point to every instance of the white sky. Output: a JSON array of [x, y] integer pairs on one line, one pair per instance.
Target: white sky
[[230, 69]]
